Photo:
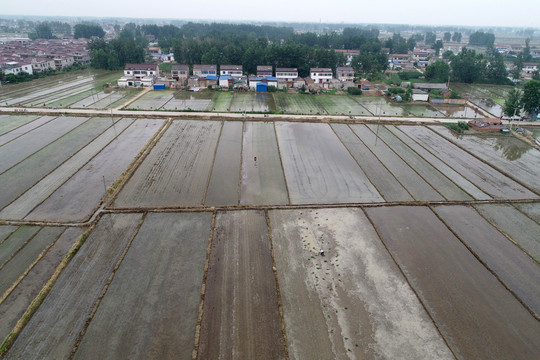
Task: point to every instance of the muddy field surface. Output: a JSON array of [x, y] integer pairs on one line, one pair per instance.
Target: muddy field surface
[[388, 186], [53, 330], [478, 317], [514, 267], [46, 186], [341, 105], [440, 165], [436, 179], [222, 101], [16, 241], [20, 131], [481, 174], [150, 308], [15, 304], [299, 104], [9, 123], [415, 185], [353, 302], [28, 172], [520, 228], [318, 167], [25, 145], [5, 231], [240, 313], [263, 181], [252, 102], [176, 171], [531, 210], [224, 181], [508, 154], [77, 199], [20, 262], [457, 111], [152, 100]]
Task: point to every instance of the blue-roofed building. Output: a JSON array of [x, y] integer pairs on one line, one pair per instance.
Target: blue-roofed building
[[225, 80]]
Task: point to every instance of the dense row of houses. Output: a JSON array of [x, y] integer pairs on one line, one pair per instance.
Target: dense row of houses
[[25, 55], [232, 76]]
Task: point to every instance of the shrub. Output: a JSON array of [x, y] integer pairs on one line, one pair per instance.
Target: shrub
[[354, 91]]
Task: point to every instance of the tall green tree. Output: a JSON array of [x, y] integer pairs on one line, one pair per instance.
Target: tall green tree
[[512, 104], [42, 31], [437, 71], [531, 97], [437, 46], [430, 38], [447, 36], [527, 50], [456, 37], [467, 66], [87, 31]]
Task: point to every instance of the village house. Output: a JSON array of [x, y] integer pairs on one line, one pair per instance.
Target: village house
[[287, 74], [264, 70], [232, 70], [399, 61], [63, 61], [139, 75], [345, 73], [180, 72], [204, 70], [349, 54], [255, 82], [15, 68], [154, 52], [320, 75], [42, 64], [419, 95], [529, 68]]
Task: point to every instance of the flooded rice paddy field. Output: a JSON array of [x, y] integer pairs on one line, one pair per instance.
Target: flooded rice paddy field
[[210, 244], [434, 282], [321, 104], [79, 89]]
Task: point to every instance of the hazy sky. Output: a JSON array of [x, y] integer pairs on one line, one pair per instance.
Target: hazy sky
[[454, 12]]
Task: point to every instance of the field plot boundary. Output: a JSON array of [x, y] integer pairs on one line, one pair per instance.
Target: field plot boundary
[[82, 157], [498, 168], [416, 167], [106, 286], [38, 300]]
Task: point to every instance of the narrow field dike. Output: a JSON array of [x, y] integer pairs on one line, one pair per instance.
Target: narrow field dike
[[262, 180], [28, 172], [150, 308], [53, 329], [46, 186], [436, 179], [18, 300], [176, 170], [18, 149], [520, 228], [379, 175], [318, 167], [76, 199], [476, 314], [240, 314], [223, 185], [9, 123], [352, 301], [478, 172], [514, 267], [407, 175]]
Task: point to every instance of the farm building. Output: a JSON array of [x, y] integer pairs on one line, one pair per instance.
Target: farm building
[[345, 73], [264, 70], [320, 75], [180, 72], [232, 70], [204, 70], [139, 75], [419, 95]]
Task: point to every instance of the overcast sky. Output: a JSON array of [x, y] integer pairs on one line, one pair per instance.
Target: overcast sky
[[524, 13]]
